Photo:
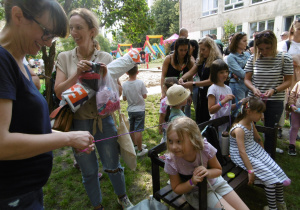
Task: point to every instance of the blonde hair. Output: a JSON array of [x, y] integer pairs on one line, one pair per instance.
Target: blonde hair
[[292, 29], [185, 125], [265, 37], [214, 52], [90, 19]]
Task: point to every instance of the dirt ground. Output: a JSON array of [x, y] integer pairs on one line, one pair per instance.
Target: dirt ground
[[150, 78]]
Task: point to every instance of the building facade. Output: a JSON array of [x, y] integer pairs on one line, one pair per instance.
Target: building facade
[[203, 17]]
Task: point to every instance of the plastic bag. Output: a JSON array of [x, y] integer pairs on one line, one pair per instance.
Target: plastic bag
[[107, 97], [77, 95]]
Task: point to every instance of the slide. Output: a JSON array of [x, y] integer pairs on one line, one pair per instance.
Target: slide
[[120, 51], [149, 51], [162, 48], [147, 44], [159, 50]]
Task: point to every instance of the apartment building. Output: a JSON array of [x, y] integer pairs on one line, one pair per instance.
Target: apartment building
[[203, 17]]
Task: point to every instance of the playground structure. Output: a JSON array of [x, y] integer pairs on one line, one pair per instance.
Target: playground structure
[[155, 49], [119, 51]]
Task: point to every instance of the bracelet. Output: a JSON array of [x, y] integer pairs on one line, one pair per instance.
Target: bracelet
[[292, 105], [251, 171], [191, 183], [220, 104]]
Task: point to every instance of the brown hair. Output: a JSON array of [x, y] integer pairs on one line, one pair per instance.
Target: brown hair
[[133, 70], [90, 19], [237, 37], [214, 52], [265, 37], [187, 57], [33, 8], [251, 103], [216, 66]]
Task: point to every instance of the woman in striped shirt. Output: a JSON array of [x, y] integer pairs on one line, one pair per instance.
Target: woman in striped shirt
[[268, 74]]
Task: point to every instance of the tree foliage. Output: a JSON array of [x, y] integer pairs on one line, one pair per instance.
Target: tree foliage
[[229, 28], [166, 16]]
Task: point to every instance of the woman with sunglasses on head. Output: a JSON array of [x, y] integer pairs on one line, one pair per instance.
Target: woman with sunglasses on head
[[26, 139], [84, 27], [176, 64], [236, 61], [208, 53], [268, 74]]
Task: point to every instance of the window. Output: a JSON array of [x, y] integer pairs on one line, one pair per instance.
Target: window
[[288, 21], [261, 26], [212, 31], [232, 4], [209, 7], [257, 1], [239, 28]]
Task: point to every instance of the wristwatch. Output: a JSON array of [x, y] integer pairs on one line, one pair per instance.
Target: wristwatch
[[194, 83], [275, 91]]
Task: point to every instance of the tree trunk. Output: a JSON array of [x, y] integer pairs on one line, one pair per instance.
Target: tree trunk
[[49, 64]]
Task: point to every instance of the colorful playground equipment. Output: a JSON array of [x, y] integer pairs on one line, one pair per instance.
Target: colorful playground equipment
[[119, 51], [155, 48]]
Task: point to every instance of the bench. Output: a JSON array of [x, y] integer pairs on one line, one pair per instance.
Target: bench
[[178, 201]]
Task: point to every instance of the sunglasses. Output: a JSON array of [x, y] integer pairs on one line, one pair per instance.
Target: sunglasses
[[47, 34], [266, 34]]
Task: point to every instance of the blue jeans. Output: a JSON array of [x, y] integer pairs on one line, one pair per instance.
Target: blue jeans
[[31, 200], [272, 116], [108, 151], [187, 108], [136, 120], [240, 91]]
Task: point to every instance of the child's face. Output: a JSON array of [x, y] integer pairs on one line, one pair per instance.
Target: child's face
[[255, 116], [222, 75], [180, 147]]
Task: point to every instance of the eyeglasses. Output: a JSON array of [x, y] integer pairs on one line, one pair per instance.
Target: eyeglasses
[[47, 34]]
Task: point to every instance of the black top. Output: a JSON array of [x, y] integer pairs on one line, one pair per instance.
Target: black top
[[172, 72], [30, 115]]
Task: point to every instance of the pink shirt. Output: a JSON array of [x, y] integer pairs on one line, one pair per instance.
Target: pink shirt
[[177, 165]]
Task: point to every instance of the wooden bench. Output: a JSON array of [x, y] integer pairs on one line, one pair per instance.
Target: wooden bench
[[178, 201]]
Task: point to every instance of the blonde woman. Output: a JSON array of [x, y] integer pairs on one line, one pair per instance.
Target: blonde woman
[[208, 53], [84, 27]]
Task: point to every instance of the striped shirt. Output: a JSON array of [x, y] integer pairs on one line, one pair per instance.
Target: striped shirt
[[268, 73]]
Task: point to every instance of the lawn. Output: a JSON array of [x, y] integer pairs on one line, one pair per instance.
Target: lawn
[[65, 190]]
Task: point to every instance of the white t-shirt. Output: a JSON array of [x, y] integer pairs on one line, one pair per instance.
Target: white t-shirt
[[220, 93], [294, 48], [134, 91]]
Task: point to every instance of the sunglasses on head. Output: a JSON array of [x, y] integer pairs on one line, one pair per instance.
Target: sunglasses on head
[[265, 34]]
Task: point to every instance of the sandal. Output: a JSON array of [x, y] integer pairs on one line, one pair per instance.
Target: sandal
[[100, 208]]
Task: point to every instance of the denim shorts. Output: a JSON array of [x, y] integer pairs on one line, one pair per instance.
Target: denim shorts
[[136, 120]]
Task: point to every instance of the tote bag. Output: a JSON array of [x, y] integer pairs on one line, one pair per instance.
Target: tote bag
[[126, 146]]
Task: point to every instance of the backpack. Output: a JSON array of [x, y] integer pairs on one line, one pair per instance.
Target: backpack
[[211, 134], [288, 45]]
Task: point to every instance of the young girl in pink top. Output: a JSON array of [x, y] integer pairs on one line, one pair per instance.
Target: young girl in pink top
[[192, 156]]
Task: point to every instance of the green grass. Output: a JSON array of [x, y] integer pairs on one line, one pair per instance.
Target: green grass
[[65, 190]]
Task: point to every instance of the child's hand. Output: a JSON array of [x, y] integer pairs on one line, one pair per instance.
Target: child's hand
[[200, 171], [229, 97], [251, 178]]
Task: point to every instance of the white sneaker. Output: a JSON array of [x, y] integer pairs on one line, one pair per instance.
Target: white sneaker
[[125, 202], [278, 150], [143, 146], [142, 152]]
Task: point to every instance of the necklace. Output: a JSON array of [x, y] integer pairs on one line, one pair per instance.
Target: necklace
[[83, 57]]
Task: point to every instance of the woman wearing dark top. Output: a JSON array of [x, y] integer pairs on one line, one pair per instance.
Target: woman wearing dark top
[[208, 52], [176, 64], [26, 139]]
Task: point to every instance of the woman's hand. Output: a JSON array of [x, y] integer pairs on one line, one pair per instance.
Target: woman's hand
[[251, 178], [256, 92], [180, 81], [82, 141], [83, 66], [269, 93], [187, 84]]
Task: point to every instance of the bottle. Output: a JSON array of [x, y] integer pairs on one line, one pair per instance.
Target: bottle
[[225, 143]]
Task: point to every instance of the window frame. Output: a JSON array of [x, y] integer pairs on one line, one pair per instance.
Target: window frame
[[266, 23], [261, 1], [212, 11], [233, 4]]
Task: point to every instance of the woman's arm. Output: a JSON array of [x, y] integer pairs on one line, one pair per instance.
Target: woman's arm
[[163, 74], [235, 67], [249, 85], [287, 81], [188, 74], [16, 146]]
